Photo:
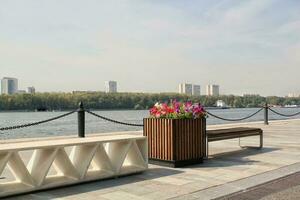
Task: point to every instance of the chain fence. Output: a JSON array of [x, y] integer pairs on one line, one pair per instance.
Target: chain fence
[[284, 115], [140, 125], [233, 120], [112, 120], [36, 123]]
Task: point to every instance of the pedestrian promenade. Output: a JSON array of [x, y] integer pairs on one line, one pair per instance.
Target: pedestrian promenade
[[229, 169]]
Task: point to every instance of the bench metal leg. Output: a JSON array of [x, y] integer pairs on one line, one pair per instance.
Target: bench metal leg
[[260, 143]]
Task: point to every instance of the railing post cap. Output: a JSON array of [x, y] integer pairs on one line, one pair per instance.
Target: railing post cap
[[266, 105], [80, 104]]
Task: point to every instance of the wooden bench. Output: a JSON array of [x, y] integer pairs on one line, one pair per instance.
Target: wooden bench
[[232, 133]]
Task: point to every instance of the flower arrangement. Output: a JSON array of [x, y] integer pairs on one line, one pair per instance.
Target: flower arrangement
[[177, 110]]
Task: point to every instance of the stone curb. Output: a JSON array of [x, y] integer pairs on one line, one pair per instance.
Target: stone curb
[[242, 184]]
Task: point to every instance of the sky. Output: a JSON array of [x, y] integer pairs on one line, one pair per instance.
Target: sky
[[245, 46]]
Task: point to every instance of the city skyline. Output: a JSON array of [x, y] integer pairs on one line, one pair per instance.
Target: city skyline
[[247, 47], [111, 87]]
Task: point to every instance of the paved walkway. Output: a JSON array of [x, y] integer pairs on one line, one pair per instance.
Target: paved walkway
[[228, 170]]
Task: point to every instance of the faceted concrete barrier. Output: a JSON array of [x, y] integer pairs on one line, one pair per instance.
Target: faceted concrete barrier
[[91, 158]]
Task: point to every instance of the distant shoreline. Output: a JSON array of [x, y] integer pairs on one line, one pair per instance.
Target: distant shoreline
[[129, 101], [117, 109], [67, 110]]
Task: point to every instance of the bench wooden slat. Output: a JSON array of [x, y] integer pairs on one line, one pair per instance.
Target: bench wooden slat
[[229, 137], [233, 130], [231, 133]]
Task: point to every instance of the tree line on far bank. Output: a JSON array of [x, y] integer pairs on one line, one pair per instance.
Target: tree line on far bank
[[101, 100]]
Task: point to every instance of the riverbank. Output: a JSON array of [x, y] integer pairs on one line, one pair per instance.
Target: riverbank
[[136, 101]]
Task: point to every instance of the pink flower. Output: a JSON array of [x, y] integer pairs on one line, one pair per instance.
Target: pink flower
[[177, 110], [188, 104]]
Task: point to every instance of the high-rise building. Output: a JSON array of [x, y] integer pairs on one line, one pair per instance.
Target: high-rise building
[[110, 86], [196, 90], [9, 85], [31, 90], [212, 90], [186, 88], [293, 95]]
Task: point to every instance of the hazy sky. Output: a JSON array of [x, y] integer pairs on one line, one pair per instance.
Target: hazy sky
[[245, 46]]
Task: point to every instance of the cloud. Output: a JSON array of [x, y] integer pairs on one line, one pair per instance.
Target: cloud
[[292, 27], [233, 24]]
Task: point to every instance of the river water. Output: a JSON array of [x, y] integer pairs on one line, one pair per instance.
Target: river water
[[68, 125]]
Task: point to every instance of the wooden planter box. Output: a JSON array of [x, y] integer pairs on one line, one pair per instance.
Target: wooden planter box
[[175, 142]]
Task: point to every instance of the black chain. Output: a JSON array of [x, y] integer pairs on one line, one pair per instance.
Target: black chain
[[112, 120], [284, 115], [130, 124], [36, 123], [240, 119]]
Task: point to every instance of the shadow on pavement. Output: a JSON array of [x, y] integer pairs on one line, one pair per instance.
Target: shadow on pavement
[[151, 173], [232, 158]]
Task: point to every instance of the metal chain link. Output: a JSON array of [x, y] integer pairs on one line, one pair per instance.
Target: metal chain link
[[284, 115], [112, 120], [240, 119], [36, 123]]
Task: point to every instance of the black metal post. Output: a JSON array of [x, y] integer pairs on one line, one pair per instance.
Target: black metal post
[[266, 114], [81, 120]]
